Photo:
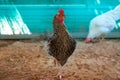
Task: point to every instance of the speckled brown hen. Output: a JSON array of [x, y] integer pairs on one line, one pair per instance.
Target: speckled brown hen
[[61, 44]]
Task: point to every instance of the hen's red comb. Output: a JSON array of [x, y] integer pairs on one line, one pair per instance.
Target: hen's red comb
[[61, 11]]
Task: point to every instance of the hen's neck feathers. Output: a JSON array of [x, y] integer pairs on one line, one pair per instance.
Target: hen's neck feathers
[[59, 28]]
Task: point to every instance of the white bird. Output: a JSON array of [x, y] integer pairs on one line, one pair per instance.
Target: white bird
[[103, 24]]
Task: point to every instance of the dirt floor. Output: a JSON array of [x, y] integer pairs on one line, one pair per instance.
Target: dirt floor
[[29, 60]]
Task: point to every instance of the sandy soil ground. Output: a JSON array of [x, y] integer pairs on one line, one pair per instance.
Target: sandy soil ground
[[29, 60]]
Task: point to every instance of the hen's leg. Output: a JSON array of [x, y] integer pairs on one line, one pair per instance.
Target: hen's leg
[[56, 62], [58, 65], [60, 75], [102, 38]]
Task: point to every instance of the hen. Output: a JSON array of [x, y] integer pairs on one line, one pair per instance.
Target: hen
[[61, 44], [103, 24]]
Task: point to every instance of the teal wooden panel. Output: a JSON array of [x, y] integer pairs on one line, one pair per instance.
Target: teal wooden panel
[[59, 2], [25, 2], [39, 17]]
